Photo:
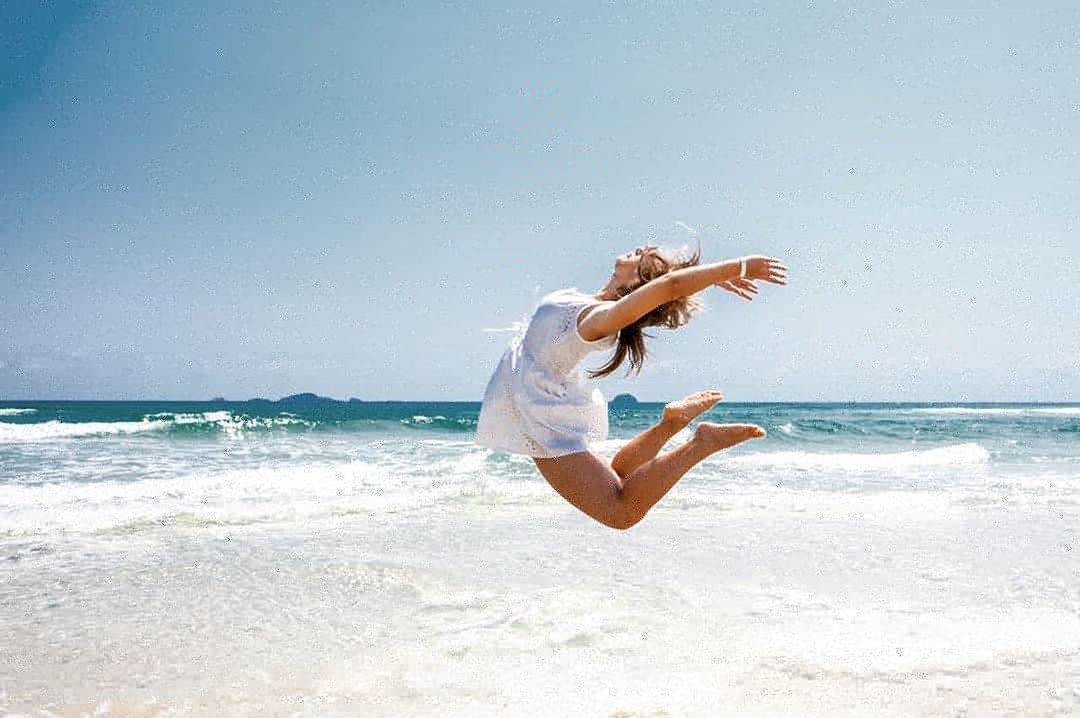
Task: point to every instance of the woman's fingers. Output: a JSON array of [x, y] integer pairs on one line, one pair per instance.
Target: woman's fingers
[[777, 272], [736, 290], [746, 291], [745, 284]]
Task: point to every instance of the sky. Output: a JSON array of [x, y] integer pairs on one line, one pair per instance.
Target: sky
[[261, 198]]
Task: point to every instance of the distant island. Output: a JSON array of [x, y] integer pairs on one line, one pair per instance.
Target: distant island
[[623, 401], [305, 398]]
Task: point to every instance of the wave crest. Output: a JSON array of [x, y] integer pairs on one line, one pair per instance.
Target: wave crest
[[461, 423], [211, 421], [230, 423], [50, 430]]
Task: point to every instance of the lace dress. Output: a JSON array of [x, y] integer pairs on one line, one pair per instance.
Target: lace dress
[[538, 402]]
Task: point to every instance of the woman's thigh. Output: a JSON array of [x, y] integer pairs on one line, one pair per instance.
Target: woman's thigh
[[589, 483]]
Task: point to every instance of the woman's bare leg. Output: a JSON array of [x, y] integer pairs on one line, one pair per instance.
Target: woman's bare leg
[[590, 484], [677, 416]]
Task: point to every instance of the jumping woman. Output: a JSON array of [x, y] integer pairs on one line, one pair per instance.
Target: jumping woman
[[539, 404]]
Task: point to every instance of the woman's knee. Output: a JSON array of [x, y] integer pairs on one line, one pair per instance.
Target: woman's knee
[[622, 523], [623, 515], [591, 486]]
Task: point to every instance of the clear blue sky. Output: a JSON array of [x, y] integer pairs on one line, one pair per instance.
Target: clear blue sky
[[260, 198]]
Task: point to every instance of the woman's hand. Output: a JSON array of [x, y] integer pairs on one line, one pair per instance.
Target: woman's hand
[[766, 269]]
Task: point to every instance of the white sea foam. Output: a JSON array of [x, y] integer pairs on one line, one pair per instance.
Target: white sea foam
[[428, 478], [51, 430], [387, 483], [942, 456], [227, 422], [245, 494], [871, 507], [16, 412]]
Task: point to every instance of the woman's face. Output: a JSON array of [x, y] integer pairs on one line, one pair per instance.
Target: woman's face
[[626, 265]]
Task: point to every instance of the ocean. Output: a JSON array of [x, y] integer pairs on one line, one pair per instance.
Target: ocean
[[367, 559]]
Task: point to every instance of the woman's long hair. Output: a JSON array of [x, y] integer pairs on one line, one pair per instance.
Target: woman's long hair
[[671, 315]]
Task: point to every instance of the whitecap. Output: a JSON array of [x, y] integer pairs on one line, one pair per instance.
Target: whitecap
[[232, 424], [51, 430]]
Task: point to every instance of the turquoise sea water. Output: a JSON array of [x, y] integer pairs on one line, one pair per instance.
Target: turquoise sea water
[[228, 558]]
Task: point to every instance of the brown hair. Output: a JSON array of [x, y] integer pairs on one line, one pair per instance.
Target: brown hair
[[670, 315]]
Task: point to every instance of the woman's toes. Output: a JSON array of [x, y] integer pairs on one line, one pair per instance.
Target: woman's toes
[[693, 406]]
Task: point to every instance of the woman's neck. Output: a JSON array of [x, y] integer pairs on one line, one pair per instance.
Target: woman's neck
[[607, 293]]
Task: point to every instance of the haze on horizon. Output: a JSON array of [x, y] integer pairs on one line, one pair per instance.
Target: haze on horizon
[[258, 199]]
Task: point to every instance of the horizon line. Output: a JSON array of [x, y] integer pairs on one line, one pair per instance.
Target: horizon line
[[355, 400]]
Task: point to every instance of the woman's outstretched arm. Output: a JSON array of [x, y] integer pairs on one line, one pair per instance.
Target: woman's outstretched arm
[[610, 317]]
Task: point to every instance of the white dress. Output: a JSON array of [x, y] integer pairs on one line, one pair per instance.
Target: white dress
[[538, 402]]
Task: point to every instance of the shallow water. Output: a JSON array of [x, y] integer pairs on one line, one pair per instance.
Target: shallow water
[[884, 560]]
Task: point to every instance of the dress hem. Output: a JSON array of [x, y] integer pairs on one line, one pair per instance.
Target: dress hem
[[547, 455]]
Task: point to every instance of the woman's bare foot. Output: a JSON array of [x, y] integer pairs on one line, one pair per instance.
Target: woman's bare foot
[[687, 409], [724, 436]]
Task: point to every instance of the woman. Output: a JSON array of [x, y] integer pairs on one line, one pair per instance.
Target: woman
[[538, 403]]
